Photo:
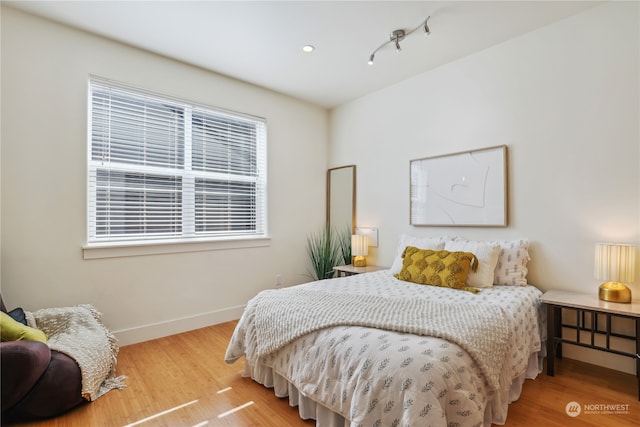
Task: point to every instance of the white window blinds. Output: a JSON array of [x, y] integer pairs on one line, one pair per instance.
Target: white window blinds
[[161, 169]]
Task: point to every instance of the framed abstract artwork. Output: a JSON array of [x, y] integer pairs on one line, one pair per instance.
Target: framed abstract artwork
[[460, 189]]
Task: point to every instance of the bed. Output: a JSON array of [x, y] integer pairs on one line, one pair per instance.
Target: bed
[[374, 350]]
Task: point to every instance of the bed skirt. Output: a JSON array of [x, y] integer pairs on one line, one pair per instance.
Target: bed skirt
[[495, 412]]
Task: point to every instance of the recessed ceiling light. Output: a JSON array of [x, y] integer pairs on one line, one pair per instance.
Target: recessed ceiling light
[[308, 48]]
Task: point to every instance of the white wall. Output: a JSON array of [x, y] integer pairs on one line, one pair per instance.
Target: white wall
[[45, 69], [565, 99]]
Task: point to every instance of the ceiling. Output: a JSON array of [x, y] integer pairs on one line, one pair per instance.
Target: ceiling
[[261, 42]]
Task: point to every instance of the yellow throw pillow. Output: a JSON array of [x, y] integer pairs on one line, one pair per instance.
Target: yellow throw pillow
[[11, 330], [437, 267]]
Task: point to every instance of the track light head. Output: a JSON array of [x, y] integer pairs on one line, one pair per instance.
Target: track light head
[[371, 59], [425, 26], [397, 36]]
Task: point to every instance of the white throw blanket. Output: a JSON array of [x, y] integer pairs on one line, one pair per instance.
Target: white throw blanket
[[79, 333], [280, 316]]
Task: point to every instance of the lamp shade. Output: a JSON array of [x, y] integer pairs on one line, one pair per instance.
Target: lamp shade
[[615, 262], [359, 245]]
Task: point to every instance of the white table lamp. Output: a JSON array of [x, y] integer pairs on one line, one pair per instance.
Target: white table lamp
[[359, 250], [615, 263]]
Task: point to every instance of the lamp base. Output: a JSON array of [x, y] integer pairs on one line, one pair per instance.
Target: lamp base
[[614, 292], [359, 261]]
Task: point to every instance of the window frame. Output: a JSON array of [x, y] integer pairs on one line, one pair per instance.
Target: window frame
[[96, 247]]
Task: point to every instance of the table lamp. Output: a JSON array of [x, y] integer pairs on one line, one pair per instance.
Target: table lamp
[[615, 263], [359, 250]]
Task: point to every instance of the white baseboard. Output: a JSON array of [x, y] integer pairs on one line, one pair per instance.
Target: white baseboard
[[176, 326]]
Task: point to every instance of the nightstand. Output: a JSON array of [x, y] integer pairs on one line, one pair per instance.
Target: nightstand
[[350, 270], [591, 305]]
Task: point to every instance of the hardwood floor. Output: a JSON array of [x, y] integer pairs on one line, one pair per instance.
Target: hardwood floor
[[183, 380]]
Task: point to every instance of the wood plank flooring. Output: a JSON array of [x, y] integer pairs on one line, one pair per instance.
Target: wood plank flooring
[[182, 380]]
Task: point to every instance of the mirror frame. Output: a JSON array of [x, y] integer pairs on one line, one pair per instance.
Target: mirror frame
[[353, 194]]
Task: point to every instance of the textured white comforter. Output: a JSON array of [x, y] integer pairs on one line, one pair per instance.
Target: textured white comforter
[[379, 377]]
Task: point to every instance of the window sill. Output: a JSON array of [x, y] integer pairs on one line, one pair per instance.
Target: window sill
[[98, 251]]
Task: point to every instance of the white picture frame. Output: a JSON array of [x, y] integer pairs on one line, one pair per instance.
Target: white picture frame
[[467, 189]]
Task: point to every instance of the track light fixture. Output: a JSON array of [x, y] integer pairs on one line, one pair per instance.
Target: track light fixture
[[398, 35]]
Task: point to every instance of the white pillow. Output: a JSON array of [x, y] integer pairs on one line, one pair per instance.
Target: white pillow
[[435, 243], [511, 268], [487, 255]]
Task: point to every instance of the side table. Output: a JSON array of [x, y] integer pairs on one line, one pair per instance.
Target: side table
[[591, 304], [350, 270]]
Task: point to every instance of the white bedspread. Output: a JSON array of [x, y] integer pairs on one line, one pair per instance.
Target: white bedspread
[[378, 377]]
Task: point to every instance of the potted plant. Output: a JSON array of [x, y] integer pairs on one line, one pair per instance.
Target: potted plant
[[344, 243], [324, 253]]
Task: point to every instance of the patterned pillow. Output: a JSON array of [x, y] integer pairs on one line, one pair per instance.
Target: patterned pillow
[[511, 268], [437, 267]]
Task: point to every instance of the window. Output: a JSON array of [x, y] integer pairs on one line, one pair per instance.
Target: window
[[166, 170]]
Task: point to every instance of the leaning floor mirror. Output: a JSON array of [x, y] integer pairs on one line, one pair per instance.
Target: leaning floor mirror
[[341, 197]]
